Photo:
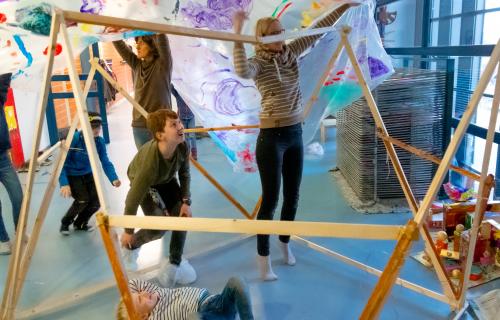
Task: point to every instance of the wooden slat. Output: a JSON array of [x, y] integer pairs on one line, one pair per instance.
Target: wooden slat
[[383, 288], [156, 27], [256, 208], [219, 187], [427, 156], [15, 259], [404, 283], [110, 241], [313, 229], [252, 126], [95, 64], [322, 79], [486, 184]]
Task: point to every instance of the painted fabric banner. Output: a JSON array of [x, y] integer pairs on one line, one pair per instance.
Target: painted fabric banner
[[203, 70]]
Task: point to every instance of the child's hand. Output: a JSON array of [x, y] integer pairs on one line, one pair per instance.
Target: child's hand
[[125, 240], [117, 183], [238, 20], [66, 191], [115, 30], [185, 211]]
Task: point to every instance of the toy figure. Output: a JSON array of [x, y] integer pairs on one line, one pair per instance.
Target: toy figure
[[441, 241], [457, 237]]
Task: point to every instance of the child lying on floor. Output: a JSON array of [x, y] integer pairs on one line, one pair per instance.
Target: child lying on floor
[[153, 302]]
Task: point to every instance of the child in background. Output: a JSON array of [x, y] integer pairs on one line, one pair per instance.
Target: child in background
[[153, 302], [8, 175], [76, 178], [187, 119]]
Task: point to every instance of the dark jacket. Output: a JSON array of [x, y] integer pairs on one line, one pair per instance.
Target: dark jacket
[[4, 130], [78, 164]]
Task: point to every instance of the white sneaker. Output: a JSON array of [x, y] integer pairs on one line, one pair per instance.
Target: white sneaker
[[130, 258], [5, 248], [186, 273], [167, 274]]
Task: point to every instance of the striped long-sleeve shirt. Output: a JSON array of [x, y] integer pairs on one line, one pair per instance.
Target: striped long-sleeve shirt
[[277, 76], [173, 304]]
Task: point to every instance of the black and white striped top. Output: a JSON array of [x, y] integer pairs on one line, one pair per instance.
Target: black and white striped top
[[173, 304], [277, 76]]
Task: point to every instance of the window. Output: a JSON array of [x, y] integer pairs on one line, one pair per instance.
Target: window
[[453, 25]]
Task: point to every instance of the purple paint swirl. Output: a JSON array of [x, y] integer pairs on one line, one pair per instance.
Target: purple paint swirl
[[226, 97], [216, 15], [377, 67], [92, 6]]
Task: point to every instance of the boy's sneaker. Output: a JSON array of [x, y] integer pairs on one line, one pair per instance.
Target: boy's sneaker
[[167, 273], [85, 228], [5, 248], [186, 273], [64, 230]]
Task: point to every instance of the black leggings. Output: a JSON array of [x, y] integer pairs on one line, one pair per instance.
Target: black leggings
[[171, 195], [279, 152]]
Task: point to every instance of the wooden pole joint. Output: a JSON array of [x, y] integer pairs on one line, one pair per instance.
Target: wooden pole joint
[[346, 30], [102, 220]]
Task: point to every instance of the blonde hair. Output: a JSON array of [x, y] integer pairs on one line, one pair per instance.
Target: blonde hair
[[121, 311], [263, 25], [261, 28]]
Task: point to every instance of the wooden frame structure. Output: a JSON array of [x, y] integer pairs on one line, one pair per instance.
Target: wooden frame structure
[[21, 257]]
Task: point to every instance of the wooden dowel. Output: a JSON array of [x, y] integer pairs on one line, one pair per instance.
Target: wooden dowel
[[371, 270], [256, 208], [322, 79], [81, 109], [252, 126], [48, 152], [220, 188], [493, 206], [427, 156], [95, 64], [42, 213]]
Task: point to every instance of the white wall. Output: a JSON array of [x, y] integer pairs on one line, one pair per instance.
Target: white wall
[[26, 95]]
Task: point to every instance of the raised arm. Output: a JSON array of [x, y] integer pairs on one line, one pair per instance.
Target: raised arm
[[126, 53], [163, 47], [300, 45], [242, 66]]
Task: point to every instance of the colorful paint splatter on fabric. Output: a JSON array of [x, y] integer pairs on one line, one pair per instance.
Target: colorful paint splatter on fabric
[[203, 72], [92, 6], [215, 14]]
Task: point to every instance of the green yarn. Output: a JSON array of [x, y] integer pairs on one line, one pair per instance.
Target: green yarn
[[36, 18]]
